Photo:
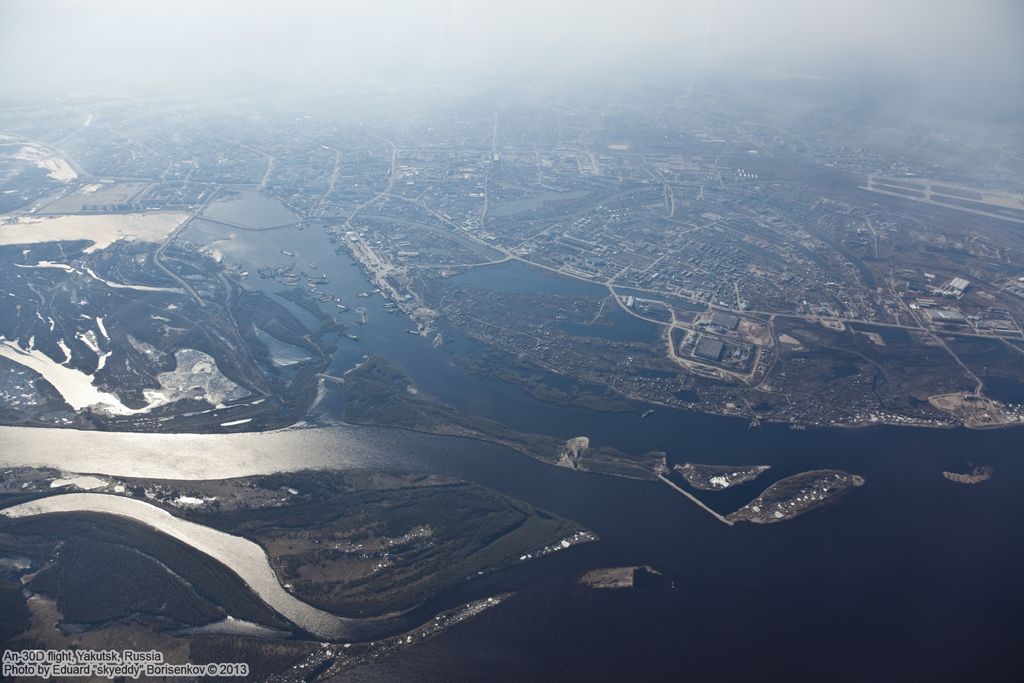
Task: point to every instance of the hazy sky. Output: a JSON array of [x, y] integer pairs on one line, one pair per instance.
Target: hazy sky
[[53, 46]]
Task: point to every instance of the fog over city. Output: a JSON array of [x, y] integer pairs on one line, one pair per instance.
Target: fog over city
[[938, 47], [472, 340]]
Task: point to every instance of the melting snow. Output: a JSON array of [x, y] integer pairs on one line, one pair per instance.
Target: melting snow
[[84, 482], [74, 385]]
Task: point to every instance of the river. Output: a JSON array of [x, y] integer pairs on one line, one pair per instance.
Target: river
[[909, 577], [244, 557], [909, 558]]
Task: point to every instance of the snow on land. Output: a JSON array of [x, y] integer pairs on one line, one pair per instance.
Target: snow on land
[[117, 285], [91, 273], [101, 230], [63, 347], [45, 320], [47, 264], [54, 165], [84, 482], [89, 339], [196, 375], [236, 422], [74, 385]]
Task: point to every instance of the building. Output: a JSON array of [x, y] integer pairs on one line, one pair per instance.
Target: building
[[708, 348], [947, 315], [953, 289]]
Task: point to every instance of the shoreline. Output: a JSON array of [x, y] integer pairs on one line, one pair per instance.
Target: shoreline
[[243, 557]]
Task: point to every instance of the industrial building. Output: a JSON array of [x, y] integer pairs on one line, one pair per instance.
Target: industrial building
[[708, 348], [725, 321], [954, 289]]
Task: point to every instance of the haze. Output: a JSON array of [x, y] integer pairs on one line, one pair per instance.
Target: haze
[[55, 48]]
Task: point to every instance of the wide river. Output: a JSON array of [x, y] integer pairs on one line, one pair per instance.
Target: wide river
[[909, 577]]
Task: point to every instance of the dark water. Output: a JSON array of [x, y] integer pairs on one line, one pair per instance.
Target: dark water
[[1004, 389], [515, 276], [250, 210], [909, 577]]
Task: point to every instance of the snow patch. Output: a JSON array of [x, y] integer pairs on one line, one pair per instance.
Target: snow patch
[[84, 482], [54, 165], [74, 386], [117, 285], [100, 229]]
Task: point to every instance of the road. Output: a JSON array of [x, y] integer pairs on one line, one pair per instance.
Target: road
[[696, 500], [170, 238]]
